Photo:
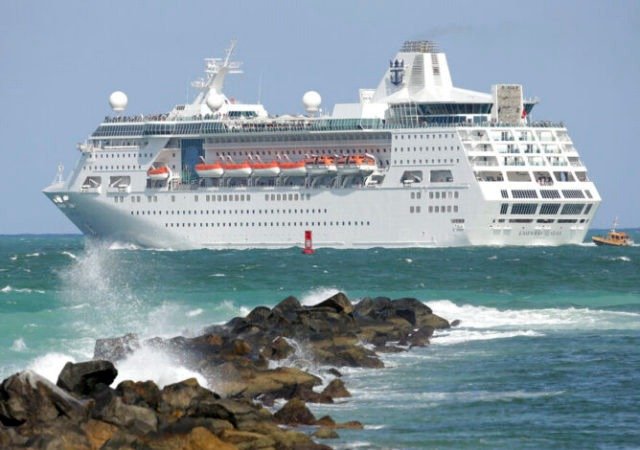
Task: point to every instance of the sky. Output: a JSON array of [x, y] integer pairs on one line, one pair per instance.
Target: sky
[[59, 61]]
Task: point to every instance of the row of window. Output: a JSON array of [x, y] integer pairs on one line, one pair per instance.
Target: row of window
[[343, 223], [546, 193], [546, 208], [204, 212], [433, 149], [435, 209], [426, 161], [423, 136], [302, 152], [547, 221]]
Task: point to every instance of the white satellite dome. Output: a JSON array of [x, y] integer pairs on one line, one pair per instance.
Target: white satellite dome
[[311, 101], [118, 101], [215, 101]]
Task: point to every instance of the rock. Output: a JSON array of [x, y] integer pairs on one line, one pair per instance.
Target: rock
[[258, 316], [278, 349], [288, 307], [99, 432], [185, 424], [351, 425], [241, 347], [248, 439], [27, 397], [336, 389], [295, 412], [135, 419], [339, 303], [334, 372], [310, 396], [199, 438], [420, 336], [348, 356], [412, 304], [455, 323], [82, 378], [325, 433], [232, 411], [278, 383], [139, 393], [326, 422], [176, 398], [115, 349]]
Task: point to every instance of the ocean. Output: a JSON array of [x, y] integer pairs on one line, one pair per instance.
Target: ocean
[[547, 354]]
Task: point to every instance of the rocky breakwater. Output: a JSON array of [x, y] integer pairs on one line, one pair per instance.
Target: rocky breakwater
[[272, 354]]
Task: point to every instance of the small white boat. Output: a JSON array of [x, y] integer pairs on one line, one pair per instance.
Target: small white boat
[[356, 165]]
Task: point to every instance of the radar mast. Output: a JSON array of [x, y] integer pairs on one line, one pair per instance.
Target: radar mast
[[216, 69]]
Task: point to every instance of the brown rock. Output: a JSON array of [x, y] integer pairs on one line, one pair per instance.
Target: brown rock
[[325, 433], [139, 393], [278, 349], [178, 396], [248, 439], [136, 419], [295, 412], [198, 438], [336, 389], [99, 432], [241, 347]]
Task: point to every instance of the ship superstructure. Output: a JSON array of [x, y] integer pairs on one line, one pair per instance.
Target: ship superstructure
[[416, 162]]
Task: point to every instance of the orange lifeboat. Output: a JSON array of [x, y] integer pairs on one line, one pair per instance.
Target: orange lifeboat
[[265, 169], [321, 165], [237, 170], [293, 168], [356, 164], [158, 173], [214, 170]]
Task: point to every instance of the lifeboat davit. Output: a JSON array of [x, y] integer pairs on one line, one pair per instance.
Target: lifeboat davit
[[356, 165], [293, 168], [214, 170], [265, 169], [158, 173], [237, 170], [321, 165]]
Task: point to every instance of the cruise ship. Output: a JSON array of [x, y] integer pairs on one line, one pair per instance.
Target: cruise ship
[[415, 162]]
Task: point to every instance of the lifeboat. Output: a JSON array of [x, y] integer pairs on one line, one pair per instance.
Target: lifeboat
[[237, 170], [293, 168], [356, 165], [321, 165], [214, 170], [265, 169], [158, 173]]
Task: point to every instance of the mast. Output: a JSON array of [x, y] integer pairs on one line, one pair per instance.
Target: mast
[[216, 69]]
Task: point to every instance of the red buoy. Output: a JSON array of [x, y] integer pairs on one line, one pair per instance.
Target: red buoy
[[308, 244]]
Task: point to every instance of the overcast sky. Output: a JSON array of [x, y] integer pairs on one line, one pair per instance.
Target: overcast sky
[[59, 61]]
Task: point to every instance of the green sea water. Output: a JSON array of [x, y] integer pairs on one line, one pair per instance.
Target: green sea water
[[547, 354]]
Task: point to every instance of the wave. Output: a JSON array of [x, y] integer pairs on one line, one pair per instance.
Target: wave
[[19, 345], [457, 336], [8, 289], [318, 295], [69, 254], [50, 365], [148, 363], [483, 317]]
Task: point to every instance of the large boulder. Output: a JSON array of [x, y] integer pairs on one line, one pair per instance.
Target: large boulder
[[295, 412], [27, 397], [83, 378], [336, 389], [135, 419]]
